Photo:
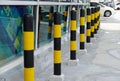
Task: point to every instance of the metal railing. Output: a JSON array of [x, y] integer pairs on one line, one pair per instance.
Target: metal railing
[[39, 3]]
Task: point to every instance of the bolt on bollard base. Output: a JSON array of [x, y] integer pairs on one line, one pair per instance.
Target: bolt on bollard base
[[73, 62], [56, 78]]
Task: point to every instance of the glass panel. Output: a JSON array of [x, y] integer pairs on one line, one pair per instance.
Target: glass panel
[[10, 33], [45, 32]]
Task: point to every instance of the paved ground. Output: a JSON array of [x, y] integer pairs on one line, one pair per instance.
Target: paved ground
[[101, 63]]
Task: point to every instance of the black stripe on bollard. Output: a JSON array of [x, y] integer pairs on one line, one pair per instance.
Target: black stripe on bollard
[[28, 23]]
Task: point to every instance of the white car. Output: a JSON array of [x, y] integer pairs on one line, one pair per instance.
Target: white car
[[105, 10], [117, 6]]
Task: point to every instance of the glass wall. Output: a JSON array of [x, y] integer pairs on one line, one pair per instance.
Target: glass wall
[[44, 36], [11, 29], [10, 33]]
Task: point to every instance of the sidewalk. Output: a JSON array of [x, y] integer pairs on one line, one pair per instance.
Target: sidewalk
[[101, 63]]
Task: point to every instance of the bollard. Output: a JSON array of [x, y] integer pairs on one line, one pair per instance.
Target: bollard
[[99, 19], [50, 22], [28, 48], [92, 22], [82, 29], [82, 32], [95, 20], [65, 19], [88, 25], [73, 36], [73, 43], [57, 44], [57, 76]]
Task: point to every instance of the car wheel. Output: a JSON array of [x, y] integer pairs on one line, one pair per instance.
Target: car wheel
[[118, 8], [107, 13]]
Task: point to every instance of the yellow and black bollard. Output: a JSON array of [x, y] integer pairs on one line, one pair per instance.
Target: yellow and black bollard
[[65, 19], [92, 22], [82, 29], [57, 43], [28, 48], [88, 25], [98, 17], [95, 20], [73, 45], [50, 22]]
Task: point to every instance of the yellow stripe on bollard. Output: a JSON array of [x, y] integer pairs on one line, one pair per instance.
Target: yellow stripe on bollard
[[73, 25], [57, 33], [29, 73], [49, 29], [50, 16], [57, 56], [82, 21], [73, 45], [88, 32], [82, 37], [29, 40]]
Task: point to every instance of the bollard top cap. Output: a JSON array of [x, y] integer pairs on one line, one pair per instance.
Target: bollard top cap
[[28, 22]]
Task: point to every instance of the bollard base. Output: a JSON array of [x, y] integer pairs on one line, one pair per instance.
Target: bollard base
[[73, 62], [84, 51], [93, 40], [88, 45], [96, 35], [56, 78]]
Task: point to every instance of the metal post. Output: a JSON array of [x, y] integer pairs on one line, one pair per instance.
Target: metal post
[[88, 25], [36, 32], [28, 48], [50, 22], [38, 38]]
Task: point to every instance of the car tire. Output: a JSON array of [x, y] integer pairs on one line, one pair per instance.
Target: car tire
[[107, 13], [118, 8]]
